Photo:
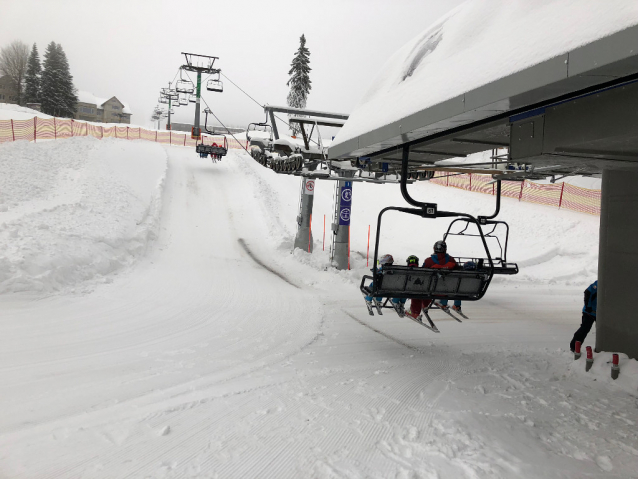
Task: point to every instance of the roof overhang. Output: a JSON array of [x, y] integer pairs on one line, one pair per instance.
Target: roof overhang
[[485, 111]]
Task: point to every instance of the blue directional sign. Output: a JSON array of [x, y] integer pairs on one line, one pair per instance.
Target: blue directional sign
[[345, 204]]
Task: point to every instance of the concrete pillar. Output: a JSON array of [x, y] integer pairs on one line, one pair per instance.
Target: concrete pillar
[[341, 227], [303, 240], [617, 320]]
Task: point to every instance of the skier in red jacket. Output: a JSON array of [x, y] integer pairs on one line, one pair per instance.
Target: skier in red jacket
[[441, 260]]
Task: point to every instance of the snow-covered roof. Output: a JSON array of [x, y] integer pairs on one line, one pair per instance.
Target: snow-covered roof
[[88, 97], [476, 44]]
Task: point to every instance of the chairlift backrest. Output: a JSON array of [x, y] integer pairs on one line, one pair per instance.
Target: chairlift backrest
[[215, 85], [192, 98]]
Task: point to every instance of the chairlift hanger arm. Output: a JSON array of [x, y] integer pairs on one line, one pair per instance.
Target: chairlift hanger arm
[[432, 206]]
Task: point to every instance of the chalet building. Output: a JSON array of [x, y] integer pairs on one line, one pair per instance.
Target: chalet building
[[8, 91], [101, 110]]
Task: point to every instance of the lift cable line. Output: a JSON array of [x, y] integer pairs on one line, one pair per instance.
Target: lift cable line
[[262, 106]]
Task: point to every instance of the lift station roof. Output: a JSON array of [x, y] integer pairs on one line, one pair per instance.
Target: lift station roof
[[484, 59]]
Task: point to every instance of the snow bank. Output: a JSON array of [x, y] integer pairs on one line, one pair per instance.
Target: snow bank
[[75, 210], [600, 373], [10, 111], [477, 43]]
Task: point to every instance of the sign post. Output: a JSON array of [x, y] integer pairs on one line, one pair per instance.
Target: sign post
[[303, 239], [341, 227]]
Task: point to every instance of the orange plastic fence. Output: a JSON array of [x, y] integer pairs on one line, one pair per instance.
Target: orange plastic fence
[[560, 195], [55, 128]]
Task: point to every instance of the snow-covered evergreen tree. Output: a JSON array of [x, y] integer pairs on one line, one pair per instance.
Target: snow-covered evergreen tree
[[57, 92], [299, 82], [32, 78]]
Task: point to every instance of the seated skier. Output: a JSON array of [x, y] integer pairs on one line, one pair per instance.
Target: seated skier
[[416, 305], [386, 259], [441, 260], [399, 303]]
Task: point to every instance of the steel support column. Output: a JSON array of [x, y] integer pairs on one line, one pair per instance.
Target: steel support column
[[617, 324], [341, 225], [304, 239]]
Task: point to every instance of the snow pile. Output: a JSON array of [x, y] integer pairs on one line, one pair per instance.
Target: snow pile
[[477, 43], [75, 210], [10, 111], [600, 373]]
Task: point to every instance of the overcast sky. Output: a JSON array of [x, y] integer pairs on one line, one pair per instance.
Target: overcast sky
[[131, 48]]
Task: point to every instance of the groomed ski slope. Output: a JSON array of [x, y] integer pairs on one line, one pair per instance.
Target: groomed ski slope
[[215, 352]]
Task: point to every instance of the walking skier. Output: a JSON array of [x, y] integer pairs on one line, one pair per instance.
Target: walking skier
[[589, 315]]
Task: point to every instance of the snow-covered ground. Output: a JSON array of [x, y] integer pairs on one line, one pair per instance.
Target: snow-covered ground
[[176, 353]]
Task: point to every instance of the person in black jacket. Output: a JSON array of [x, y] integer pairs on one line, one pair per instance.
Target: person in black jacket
[[589, 315]]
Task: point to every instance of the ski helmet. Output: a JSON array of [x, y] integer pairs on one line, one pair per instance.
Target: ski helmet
[[386, 260], [412, 260], [440, 247]]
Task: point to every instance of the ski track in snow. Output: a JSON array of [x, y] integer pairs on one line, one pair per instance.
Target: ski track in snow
[[198, 361]]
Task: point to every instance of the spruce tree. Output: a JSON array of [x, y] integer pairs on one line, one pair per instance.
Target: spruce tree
[[69, 92], [299, 82], [32, 78], [57, 93]]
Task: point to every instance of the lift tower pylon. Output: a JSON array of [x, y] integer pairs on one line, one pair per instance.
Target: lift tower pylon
[[199, 64]]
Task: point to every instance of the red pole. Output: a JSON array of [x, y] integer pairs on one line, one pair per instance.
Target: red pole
[[71, 126], [470, 181], [155, 136], [102, 133], [35, 129], [368, 252], [520, 195], [127, 132], [560, 202], [492, 189], [324, 233], [447, 180], [86, 129], [184, 140], [55, 129], [13, 133]]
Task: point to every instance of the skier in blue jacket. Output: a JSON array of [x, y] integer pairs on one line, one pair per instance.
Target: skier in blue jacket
[[589, 315]]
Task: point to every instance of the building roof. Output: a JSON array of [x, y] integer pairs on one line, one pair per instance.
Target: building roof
[[87, 97], [454, 72]]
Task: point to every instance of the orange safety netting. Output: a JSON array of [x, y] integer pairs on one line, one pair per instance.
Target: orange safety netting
[[560, 195]]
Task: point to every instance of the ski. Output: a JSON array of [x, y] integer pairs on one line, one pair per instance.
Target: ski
[[369, 306], [399, 308], [460, 314], [448, 311], [432, 326], [378, 305]]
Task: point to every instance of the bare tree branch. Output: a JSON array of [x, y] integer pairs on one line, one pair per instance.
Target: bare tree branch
[[13, 63]]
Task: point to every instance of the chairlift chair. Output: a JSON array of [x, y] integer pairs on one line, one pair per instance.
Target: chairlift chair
[[192, 98], [183, 99], [265, 127], [395, 281], [215, 84], [184, 86]]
